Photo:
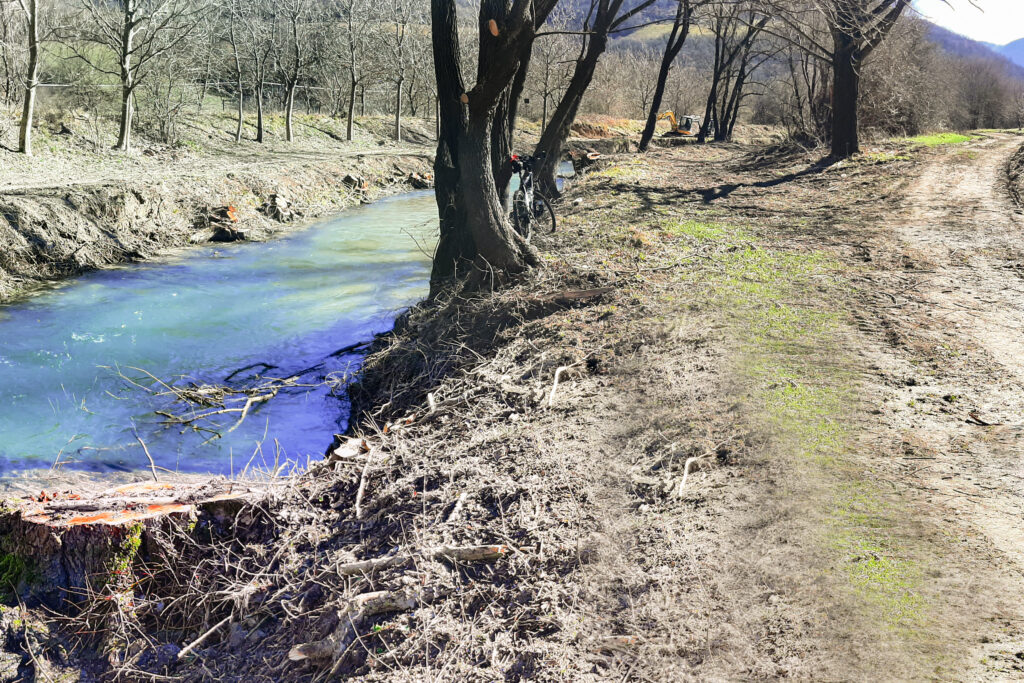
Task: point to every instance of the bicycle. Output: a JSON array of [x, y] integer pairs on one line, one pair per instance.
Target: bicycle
[[530, 209]]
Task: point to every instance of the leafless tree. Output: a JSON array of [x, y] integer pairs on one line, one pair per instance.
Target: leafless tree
[[35, 33], [11, 27], [258, 25], [852, 31], [297, 46], [552, 63], [603, 18], [677, 36], [135, 32], [234, 16], [476, 129], [400, 16], [356, 15]]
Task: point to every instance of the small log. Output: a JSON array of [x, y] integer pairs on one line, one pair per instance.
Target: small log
[[472, 553]]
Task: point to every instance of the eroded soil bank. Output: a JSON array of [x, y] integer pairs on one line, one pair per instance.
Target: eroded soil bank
[[741, 426], [75, 208]]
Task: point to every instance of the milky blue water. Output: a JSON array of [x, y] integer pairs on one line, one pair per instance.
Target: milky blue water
[[289, 303]]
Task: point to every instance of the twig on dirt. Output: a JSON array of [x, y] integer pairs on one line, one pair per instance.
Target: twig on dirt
[[362, 486], [554, 387], [457, 510], [358, 609], [687, 468], [199, 641]]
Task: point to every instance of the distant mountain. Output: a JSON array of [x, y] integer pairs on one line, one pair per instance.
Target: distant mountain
[[1013, 51], [1012, 55]]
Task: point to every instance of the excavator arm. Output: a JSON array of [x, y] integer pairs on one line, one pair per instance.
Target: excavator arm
[[671, 116]]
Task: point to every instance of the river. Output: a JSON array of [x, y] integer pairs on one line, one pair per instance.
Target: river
[[203, 314]]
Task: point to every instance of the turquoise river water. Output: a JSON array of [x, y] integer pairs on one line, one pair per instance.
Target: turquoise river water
[[290, 303]]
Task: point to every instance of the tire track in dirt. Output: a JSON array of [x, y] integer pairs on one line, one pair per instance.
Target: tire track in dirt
[[954, 367]]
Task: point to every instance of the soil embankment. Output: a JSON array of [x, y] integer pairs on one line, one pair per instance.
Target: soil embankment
[[78, 206], [56, 232]]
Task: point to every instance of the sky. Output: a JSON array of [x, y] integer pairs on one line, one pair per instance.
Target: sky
[[992, 21]]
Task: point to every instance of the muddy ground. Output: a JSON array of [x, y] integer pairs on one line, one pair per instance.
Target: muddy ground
[[756, 418]]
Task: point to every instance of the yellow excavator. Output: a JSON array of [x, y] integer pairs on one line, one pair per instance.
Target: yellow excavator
[[689, 126]]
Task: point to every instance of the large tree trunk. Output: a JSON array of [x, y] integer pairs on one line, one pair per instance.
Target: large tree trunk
[[31, 81], [475, 233], [498, 246], [124, 135], [845, 96], [552, 140]]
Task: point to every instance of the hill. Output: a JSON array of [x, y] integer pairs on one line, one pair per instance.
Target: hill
[[1013, 51], [959, 45]]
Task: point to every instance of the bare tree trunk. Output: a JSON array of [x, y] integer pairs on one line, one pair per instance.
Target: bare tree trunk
[[238, 78], [241, 111], [845, 97], [676, 40], [552, 140], [289, 112], [398, 111], [124, 135], [259, 111], [351, 106], [31, 81]]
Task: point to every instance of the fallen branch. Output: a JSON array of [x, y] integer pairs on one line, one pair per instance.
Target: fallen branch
[[152, 464], [472, 553], [351, 618], [457, 510]]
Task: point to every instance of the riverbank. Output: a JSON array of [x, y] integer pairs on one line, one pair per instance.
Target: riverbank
[[77, 206], [678, 452], [729, 431]]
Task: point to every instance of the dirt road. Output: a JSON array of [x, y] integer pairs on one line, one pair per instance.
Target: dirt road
[[955, 329]]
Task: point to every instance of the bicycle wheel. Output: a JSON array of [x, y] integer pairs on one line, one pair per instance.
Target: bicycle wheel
[[520, 215], [543, 214]]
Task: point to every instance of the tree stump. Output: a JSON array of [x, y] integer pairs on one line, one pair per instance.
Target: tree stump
[[57, 547]]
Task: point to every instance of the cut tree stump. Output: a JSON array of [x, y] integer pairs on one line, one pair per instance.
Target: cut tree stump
[[56, 546]]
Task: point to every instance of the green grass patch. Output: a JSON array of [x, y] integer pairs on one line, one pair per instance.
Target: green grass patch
[[703, 231], [884, 157], [939, 139], [787, 318]]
